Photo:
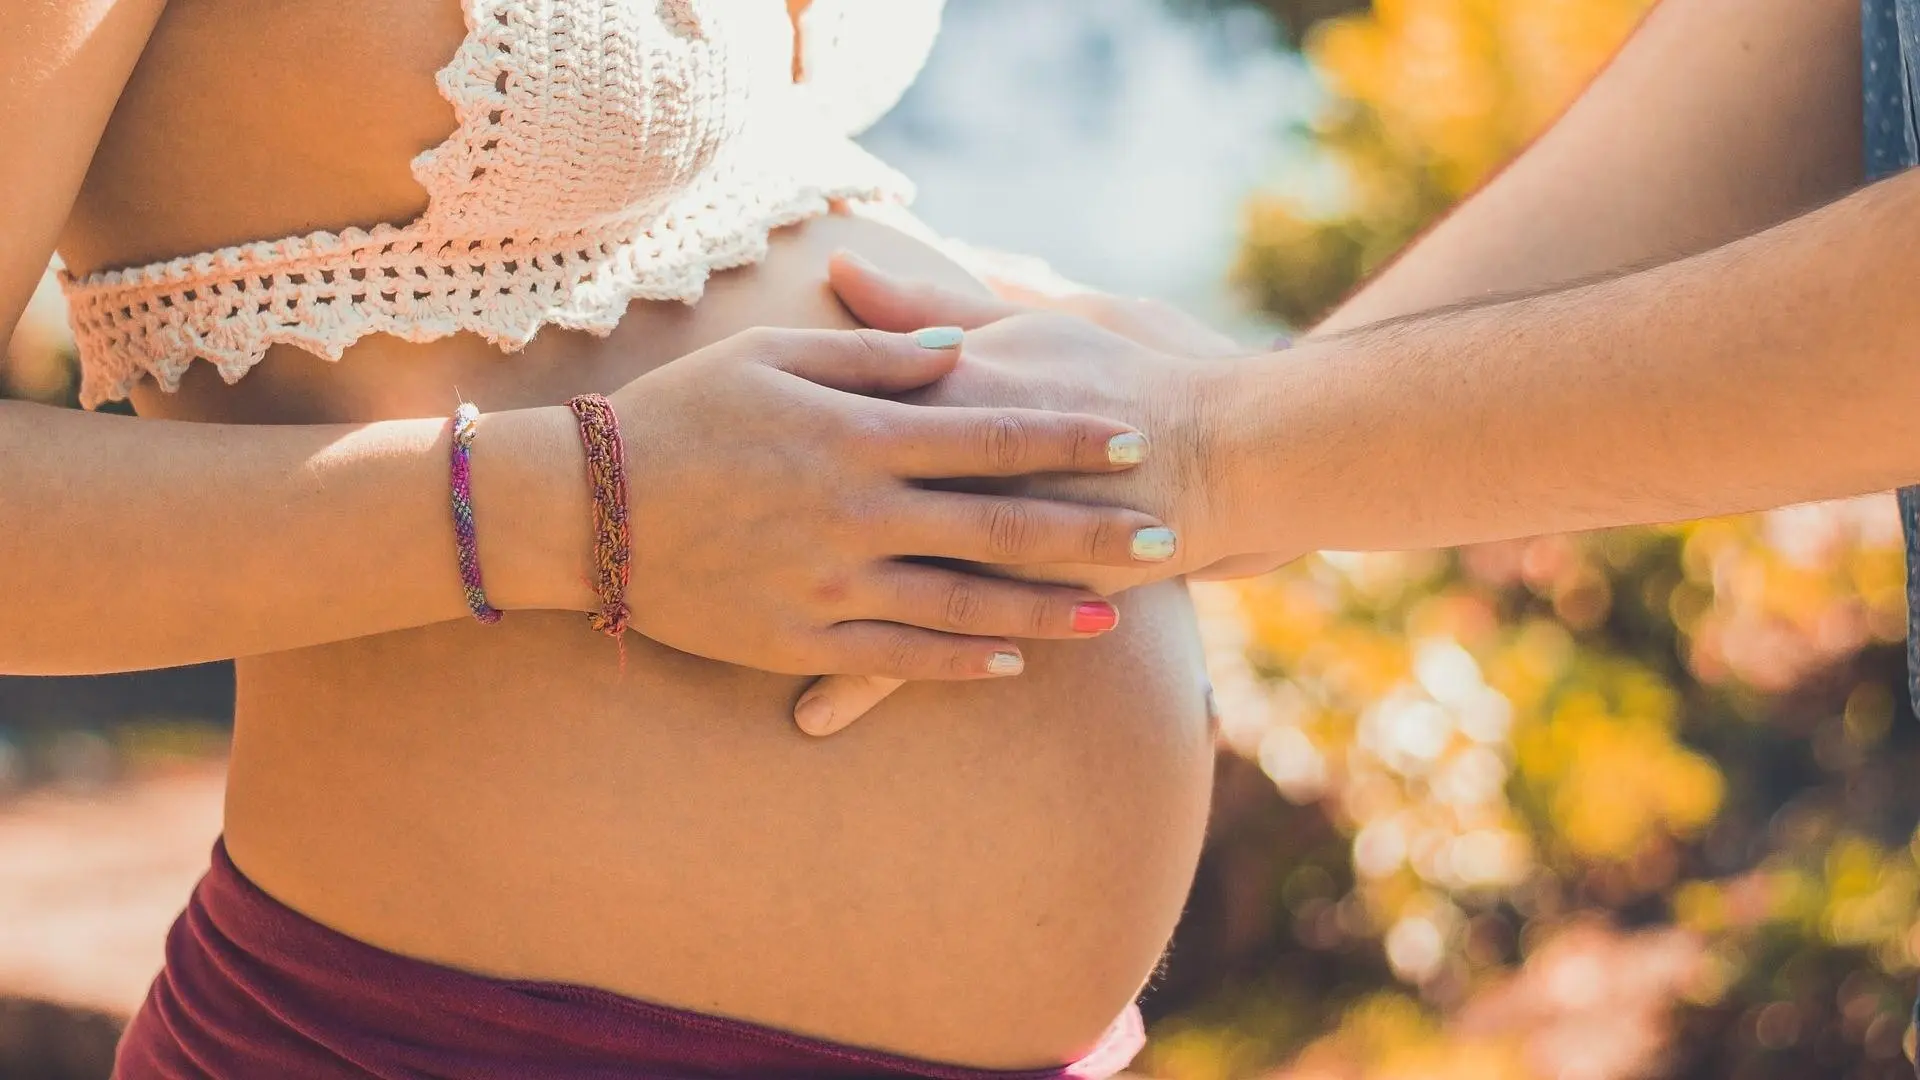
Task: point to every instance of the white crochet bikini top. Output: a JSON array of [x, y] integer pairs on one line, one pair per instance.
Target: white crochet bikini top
[[607, 151]]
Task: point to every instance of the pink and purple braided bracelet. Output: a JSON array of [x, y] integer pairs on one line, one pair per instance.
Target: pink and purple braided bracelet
[[465, 421]]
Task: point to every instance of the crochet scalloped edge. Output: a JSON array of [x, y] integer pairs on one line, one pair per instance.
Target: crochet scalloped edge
[[119, 345], [118, 354]]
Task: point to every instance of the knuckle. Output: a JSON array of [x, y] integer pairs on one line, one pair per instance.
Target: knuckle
[[902, 651], [850, 522], [867, 427], [1004, 441], [1079, 444], [965, 605], [762, 342], [1101, 538], [957, 663], [870, 345], [1043, 617], [1010, 529], [832, 589]]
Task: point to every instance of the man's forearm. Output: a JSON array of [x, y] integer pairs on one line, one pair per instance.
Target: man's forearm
[[1781, 368], [1719, 118]]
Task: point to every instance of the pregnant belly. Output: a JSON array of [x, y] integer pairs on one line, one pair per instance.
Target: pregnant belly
[[977, 873]]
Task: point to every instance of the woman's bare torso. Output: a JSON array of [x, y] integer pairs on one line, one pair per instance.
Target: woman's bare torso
[[981, 873]]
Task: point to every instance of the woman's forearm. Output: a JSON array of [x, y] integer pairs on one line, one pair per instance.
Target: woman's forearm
[[129, 544], [773, 498], [135, 544], [1778, 369]]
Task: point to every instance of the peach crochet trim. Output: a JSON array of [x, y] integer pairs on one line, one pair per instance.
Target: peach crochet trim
[[538, 214]]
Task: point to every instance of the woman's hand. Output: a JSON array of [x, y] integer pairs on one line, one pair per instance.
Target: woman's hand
[[774, 507]]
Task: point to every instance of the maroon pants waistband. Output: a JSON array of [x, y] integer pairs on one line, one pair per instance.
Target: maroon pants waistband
[[253, 989]]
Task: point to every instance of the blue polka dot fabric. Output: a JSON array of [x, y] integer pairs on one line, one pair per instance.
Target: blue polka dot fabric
[[1890, 55], [1890, 45], [1887, 40]]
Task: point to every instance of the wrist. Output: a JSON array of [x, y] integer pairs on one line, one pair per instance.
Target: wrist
[[535, 514], [1210, 440], [1268, 476]]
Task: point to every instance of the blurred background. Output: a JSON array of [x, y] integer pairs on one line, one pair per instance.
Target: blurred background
[[1576, 808]]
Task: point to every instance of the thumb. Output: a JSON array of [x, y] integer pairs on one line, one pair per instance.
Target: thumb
[[866, 361], [886, 302]]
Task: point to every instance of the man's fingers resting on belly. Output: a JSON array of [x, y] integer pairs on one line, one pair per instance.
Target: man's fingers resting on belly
[[834, 702]]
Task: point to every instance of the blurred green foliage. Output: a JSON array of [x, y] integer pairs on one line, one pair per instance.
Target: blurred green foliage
[[1611, 805]]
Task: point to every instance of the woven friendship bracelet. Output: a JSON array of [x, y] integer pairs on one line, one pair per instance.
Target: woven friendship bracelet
[[465, 421], [607, 477]]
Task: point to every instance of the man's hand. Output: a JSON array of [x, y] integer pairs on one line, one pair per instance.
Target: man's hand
[[1025, 285], [1020, 353], [1092, 363], [1029, 284]]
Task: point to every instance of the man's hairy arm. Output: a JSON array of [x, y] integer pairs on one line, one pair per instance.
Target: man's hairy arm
[[1718, 119]]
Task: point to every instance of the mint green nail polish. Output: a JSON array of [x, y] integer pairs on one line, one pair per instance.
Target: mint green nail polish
[[1127, 449], [1006, 663], [939, 337], [1155, 545]]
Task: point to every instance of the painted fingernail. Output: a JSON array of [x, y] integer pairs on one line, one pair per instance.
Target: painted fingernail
[[1006, 663], [814, 715], [939, 337], [1128, 449], [1157, 544], [1094, 618]]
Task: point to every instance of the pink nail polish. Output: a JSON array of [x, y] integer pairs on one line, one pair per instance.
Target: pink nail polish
[[1095, 618]]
